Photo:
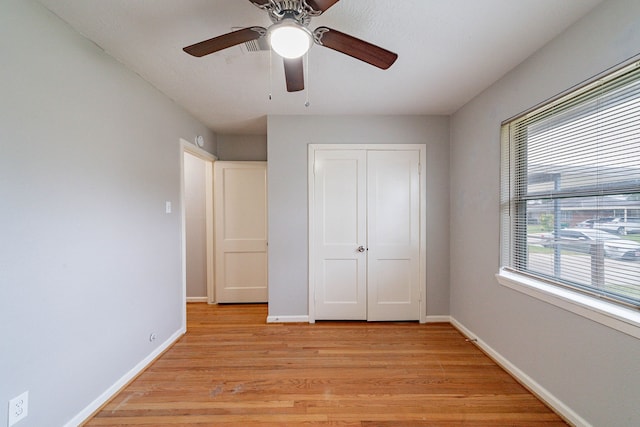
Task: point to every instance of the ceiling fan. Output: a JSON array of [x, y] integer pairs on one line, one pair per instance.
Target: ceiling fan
[[290, 37]]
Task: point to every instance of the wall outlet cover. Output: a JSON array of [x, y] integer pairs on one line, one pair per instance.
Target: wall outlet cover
[[18, 408]]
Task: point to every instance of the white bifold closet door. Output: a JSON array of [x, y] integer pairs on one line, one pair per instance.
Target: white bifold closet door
[[340, 229], [366, 222], [240, 217]]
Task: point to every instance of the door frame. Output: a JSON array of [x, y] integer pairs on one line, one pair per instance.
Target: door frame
[[188, 147], [422, 148]]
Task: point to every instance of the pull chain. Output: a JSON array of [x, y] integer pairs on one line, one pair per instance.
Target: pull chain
[[306, 68], [270, 74]]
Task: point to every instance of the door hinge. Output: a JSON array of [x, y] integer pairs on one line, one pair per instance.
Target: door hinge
[[419, 168]]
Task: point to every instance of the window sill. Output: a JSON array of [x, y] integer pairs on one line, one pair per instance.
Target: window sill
[[620, 318]]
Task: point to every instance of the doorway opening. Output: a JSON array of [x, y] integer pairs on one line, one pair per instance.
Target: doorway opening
[[197, 223]]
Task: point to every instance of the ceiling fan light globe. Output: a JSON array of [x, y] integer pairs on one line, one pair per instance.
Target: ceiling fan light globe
[[290, 39]]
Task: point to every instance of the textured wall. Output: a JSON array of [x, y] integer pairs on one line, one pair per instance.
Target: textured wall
[[242, 147], [590, 368], [288, 137], [90, 263], [195, 225]]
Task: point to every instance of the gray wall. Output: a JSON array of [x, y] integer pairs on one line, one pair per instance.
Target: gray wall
[[288, 138], [591, 368], [195, 212], [90, 263], [242, 147]]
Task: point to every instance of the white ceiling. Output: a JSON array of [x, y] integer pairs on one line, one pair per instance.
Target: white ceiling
[[449, 51]]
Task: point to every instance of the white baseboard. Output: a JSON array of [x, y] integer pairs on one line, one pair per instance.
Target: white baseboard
[[542, 393], [197, 299], [439, 319], [117, 386], [288, 319]]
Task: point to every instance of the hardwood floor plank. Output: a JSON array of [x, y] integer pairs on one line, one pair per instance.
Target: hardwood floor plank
[[233, 369]]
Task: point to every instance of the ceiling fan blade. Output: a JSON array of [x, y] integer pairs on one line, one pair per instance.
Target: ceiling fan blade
[[356, 48], [260, 3], [224, 41], [294, 74], [320, 5]]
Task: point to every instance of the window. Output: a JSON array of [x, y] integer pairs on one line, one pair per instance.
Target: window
[[570, 194]]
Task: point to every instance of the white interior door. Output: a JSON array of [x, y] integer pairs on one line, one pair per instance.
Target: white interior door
[[393, 235], [240, 211], [339, 230]]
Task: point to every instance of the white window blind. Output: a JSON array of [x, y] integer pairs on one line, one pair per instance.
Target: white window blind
[[570, 194]]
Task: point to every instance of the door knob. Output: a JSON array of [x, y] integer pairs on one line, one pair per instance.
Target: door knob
[[360, 248]]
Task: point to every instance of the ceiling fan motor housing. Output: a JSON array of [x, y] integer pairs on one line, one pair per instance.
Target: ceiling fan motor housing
[[294, 9]]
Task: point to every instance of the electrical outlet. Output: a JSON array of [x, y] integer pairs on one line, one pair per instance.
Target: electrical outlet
[[18, 408]]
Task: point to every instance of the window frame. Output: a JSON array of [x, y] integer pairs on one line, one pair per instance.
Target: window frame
[[589, 304]]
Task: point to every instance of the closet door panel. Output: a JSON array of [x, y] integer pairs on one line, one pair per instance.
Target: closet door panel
[[393, 216], [339, 230]]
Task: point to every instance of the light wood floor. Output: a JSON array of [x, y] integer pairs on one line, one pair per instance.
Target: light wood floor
[[233, 369]]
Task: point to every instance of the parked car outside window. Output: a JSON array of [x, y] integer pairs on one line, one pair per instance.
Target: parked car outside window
[[619, 225], [582, 240], [589, 223]]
